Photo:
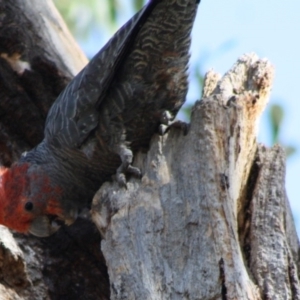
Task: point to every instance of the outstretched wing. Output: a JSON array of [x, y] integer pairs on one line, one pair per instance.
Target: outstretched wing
[[153, 80], [74, 114]]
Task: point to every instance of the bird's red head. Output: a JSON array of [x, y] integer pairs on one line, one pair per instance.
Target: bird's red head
[[28, 202]]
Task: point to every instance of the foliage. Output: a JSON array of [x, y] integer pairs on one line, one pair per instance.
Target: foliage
[[81, 16], [276, 117]]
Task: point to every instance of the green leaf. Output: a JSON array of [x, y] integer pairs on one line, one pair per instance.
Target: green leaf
[[138, 4], [290, 150], [276, 118], [200, 77], [113, 10]]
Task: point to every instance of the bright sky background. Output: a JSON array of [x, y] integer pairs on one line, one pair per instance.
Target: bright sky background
[[223, 31], [226, 29]]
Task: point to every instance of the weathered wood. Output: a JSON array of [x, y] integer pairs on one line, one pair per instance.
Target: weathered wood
[[191, 228], [38, 57], [272, 240]]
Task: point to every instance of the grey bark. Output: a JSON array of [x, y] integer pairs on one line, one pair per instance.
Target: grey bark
[[209, 219]]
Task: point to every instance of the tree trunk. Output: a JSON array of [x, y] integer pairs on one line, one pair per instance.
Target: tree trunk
[[210, 217], [208, 220]]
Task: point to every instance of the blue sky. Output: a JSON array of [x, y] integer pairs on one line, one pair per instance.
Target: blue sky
[[223, 31], [226, 29]]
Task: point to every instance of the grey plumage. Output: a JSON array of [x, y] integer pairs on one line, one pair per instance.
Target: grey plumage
[[115, 104]]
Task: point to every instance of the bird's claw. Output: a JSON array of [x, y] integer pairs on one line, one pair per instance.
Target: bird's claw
[[126, 167], [166, 117], [163, 129], [121, 179], [134, 171], [180, 125]]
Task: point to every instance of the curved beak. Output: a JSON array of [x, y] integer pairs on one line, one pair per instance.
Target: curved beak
[[42, 226]]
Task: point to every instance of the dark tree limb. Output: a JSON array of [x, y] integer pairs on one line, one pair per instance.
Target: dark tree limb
[[38, 57]]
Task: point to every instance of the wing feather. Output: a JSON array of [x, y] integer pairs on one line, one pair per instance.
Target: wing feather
[[75, 113]]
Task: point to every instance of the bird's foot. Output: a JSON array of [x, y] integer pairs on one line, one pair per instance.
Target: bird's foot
[[167, 123], [126, 167]]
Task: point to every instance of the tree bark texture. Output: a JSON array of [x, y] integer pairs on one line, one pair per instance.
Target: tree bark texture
[[38, 57], [210, 217]]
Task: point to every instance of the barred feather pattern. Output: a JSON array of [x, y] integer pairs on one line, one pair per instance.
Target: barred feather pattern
[[153, 78], [116, 102]]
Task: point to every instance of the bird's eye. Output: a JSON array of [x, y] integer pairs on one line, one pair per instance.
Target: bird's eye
[[28, 206]]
